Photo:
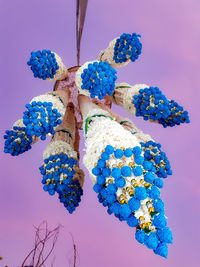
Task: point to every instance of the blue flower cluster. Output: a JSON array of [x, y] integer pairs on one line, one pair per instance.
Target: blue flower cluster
[[127, 47], [70, 195], [156, 240], [153, 154], [58, 174], [99, 79], [177, 115], [17, 141], [110, 181], [40, 119], [43, 64], [151, 104]]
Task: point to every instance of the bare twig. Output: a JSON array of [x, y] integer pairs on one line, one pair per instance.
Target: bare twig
[[29, 254], [36, 243], [43, 243], [42, 237], [55, 237], [75, 250]]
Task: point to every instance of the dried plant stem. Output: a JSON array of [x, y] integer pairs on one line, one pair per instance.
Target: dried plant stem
[[42, 237], [75, 251]]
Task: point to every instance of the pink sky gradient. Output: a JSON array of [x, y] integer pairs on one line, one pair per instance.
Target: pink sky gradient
[[170, 58]]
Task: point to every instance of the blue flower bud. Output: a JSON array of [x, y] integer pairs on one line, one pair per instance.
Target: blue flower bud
[[140, 193], [158, 205], [159, 221], [116, 173], [149, 177], [140, 236], [158, 182], [134, 203], [96, 171], [162, 250], [106, 172], [165, 235], [132, 221], [118, 153], [126, 171], [124, 211], [151, 241], [137, 171], [120, 182], [137, 150], [128, 152], [109, 149]]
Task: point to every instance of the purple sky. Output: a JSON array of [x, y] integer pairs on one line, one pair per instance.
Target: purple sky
[[170, 32]]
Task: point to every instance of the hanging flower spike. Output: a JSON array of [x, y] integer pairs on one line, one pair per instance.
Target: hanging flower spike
[[60, 170], [118, 170], [16, 139], [47, 65], [126, 186], [122, 50], [44, 113], [150, 103], [96, 79], [153, 155]]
